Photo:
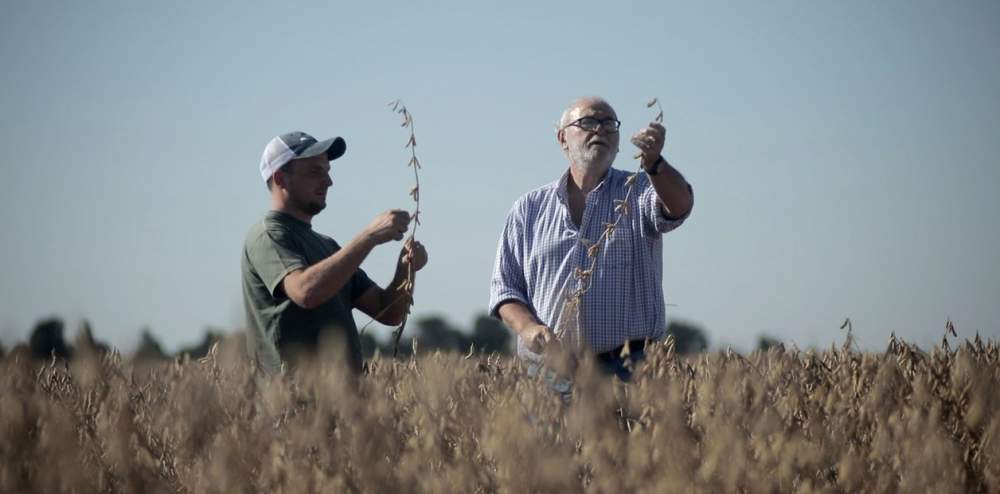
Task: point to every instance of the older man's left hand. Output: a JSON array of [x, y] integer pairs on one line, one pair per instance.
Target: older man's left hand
[[650, 143]]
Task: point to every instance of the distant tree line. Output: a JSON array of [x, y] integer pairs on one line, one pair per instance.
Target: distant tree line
[[48, 340], [431, 333]]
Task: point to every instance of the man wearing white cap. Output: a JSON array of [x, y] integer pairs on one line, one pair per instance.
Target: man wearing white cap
[[300, 286]]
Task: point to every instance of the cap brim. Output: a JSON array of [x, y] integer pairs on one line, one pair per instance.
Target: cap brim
[[334, 148]]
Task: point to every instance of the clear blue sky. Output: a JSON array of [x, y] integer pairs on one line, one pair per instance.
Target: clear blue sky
[[844, 155]]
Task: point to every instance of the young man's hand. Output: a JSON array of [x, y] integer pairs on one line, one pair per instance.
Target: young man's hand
[[390, 225], [413, 253]]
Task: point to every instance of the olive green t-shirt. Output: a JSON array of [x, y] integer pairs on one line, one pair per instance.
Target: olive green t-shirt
[[277, 328]]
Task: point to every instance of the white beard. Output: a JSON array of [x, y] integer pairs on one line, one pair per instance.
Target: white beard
[[592, 158]]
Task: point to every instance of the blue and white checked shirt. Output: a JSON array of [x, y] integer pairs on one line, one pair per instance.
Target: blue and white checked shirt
[[540, 248]]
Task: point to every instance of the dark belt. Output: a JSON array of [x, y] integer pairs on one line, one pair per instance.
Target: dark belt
[[616, 354]]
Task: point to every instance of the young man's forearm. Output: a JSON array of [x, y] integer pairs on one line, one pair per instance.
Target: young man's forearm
[[318, 283]]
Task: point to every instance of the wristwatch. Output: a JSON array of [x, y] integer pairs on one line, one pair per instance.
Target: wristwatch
[[654, 169]]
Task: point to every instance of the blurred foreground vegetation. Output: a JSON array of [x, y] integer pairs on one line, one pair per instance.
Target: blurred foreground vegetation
[[902, 420]]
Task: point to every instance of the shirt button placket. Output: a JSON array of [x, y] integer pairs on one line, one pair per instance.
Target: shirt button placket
[[583, 261]]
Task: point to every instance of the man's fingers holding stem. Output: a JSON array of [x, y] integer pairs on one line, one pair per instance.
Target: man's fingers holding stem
[[542, 338], [401, 219], [653, 134]]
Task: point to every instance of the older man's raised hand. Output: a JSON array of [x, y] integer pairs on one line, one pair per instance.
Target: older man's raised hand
[[650, 143]]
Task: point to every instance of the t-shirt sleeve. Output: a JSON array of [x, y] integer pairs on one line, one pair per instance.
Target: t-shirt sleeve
[[508, 282], [274, 254], [360, 283]]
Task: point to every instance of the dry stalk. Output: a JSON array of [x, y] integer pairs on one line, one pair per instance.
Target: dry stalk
[[849, 340], [414, 163], [406, 288]]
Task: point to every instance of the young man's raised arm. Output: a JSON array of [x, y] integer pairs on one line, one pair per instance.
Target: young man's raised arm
[[311, 287]]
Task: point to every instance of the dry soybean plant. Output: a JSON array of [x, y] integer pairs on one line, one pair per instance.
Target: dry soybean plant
[[783, 420], [573, 305], [408, 284], [414, 163]]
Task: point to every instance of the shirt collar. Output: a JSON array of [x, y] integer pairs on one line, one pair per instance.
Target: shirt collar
[[287, 218], [561, 189]]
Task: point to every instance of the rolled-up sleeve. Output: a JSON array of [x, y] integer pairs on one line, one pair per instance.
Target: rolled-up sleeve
[[508, 283], [652, 213]]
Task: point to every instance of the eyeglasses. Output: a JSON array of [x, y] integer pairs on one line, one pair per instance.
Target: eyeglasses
[[591, 124]]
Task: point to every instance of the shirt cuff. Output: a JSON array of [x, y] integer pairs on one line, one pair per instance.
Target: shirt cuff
[[503, 298]]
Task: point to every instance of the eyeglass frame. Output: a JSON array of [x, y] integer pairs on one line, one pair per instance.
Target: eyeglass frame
[[600, 124]]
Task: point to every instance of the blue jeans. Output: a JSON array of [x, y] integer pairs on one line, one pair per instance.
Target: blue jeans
[[612, 363], [561, 386]]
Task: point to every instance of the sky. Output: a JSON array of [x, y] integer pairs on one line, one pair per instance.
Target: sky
[[844, 155]]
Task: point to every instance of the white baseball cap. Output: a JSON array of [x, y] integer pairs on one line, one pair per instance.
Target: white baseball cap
[[294, 145]]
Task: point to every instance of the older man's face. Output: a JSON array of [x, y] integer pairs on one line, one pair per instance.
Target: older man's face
[[590, 148]]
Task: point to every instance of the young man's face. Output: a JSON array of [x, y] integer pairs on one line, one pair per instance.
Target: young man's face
[[306, 181]]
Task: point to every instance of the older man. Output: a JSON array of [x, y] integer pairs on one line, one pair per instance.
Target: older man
[[300, 286], [548, 232]]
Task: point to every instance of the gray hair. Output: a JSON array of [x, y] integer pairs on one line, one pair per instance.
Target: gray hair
[[564, 119]]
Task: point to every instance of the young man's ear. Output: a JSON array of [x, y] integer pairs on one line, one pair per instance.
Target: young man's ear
[[279, 178]]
